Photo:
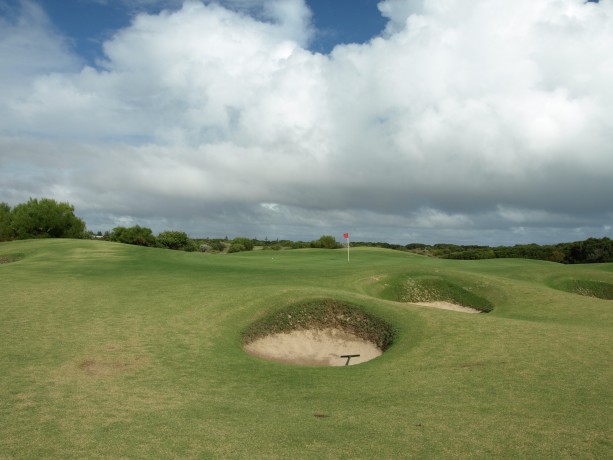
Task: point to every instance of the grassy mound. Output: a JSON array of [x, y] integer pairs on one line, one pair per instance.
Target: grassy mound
[[322, 314], [432, 289], [589, 288]]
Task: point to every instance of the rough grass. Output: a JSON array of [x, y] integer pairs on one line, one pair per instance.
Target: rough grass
[[432, 289], [117, 351], [589, 288], [8, 258], [322, 314]]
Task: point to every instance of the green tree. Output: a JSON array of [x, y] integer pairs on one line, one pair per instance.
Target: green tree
[[45, 218], [5, 222], [140, 236], [246, 243], [175, 240], [325, 242]]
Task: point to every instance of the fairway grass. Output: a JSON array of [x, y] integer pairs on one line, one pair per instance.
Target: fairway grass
[[117, 351]]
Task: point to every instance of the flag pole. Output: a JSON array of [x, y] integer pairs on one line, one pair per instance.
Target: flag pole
[[346, 235]]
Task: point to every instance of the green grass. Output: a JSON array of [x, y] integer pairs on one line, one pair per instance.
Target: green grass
[[116, 351]]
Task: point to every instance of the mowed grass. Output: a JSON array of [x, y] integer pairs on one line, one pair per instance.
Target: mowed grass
[[116, 351]]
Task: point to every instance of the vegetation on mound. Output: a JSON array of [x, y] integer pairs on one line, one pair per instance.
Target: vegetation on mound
[[322, 314], [431, 289], [589, 288]]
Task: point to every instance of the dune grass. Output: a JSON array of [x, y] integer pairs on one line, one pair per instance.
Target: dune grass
[[116, 351]]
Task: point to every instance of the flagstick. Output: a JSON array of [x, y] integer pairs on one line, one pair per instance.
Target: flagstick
[[347, 249]]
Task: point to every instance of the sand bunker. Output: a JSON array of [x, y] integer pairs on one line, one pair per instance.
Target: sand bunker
[[448, 306], [314, 347]]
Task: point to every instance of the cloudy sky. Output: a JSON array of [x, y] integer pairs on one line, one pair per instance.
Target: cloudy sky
[[482, 121]]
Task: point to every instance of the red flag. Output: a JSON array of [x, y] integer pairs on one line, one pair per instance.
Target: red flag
[[345, 235]]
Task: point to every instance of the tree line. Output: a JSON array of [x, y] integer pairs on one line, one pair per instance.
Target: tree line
[[46, 218], [592, 250]]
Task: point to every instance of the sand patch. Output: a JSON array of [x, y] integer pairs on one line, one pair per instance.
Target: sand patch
[[314, 347], [448, 306]]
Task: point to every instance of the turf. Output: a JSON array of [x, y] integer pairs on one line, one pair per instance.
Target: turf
[[117, 351]]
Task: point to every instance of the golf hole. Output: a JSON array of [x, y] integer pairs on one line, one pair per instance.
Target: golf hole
[[319, 333]]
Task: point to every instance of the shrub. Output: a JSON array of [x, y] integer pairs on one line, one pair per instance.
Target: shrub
[[140, 236], [325, 242], [246, 243], [217, 246], [175, 240], [235, 247]]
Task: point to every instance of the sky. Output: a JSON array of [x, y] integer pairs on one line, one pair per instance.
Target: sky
[[434, 121]]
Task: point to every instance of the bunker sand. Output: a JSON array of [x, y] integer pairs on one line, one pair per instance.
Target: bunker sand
[[447, 306], [314, 347]]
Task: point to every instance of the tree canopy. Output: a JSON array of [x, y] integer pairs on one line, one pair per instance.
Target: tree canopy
[[44, 218], [140, 236]]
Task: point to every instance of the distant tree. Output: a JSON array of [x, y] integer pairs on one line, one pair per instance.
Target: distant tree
[[325, 242], [592, 250], [556, 256], [140, 236], [5, 222], [45, 218], [246, 243], [217, 246], [235, 247], [175, 240]]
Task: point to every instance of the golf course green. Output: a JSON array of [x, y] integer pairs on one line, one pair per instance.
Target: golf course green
[[110, 350]]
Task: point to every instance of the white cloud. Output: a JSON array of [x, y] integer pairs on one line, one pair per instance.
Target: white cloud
[[29, 47], [462, 117]]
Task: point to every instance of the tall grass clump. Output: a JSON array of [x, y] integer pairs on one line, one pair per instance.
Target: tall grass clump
[[323, 314]]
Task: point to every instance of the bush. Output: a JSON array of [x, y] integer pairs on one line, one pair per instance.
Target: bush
[[235, 247], [217, 246], [175, 240], [325, 242], [246, 243], [140, 236]]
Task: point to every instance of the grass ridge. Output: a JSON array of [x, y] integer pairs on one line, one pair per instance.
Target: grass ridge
[[322, 314]]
